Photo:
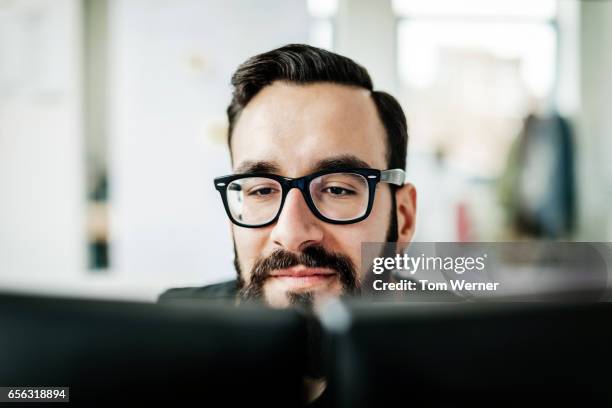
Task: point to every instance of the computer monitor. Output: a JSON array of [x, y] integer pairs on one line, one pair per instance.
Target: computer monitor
[[112, 353], [426, 354]]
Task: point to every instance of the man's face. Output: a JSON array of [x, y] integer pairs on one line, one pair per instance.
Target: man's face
[[291, 130]]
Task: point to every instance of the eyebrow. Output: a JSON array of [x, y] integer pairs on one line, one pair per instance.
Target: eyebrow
[[258, 166], [340, 162]]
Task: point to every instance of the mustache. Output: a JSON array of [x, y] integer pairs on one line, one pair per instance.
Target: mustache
[[314, 256]]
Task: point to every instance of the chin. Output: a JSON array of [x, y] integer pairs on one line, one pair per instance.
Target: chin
[[286, 297]]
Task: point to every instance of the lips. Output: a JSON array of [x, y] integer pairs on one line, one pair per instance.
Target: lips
[[302, 272], [301, 278]]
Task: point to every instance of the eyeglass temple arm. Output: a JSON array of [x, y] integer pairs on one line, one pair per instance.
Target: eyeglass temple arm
[[393, 176]]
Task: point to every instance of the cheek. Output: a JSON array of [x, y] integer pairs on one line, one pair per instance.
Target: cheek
[[378, 221], [250, 244], [348, 238]]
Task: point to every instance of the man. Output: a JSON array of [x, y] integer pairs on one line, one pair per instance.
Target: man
[[318, 161]]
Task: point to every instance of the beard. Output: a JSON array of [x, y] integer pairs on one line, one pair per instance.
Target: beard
[[314, 256]]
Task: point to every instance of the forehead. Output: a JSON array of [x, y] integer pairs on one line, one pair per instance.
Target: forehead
[[297, 126]]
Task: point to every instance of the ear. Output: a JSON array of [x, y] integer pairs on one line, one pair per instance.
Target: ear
[[405, 198]]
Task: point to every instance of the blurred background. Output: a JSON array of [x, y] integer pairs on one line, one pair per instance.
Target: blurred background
[[112, 125]]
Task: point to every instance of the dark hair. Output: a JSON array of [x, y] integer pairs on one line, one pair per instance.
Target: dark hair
[[302, 64]]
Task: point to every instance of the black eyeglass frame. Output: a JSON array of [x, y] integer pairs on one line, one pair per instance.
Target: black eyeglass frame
[[373, 177]]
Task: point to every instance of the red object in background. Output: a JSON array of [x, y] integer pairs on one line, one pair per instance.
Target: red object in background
[[463, 223]]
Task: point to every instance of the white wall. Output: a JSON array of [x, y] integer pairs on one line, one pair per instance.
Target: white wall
[[595, 121], [41, 168], [365, 32]]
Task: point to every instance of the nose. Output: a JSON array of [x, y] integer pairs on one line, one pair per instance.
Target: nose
[[296, 227]]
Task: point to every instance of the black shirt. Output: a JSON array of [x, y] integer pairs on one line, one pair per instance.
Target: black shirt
[[224, 291]]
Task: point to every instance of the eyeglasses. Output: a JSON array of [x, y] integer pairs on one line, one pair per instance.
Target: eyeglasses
[[345, 196]]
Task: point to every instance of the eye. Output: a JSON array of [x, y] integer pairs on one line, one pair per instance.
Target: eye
[[261, 191], [338, 191]]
